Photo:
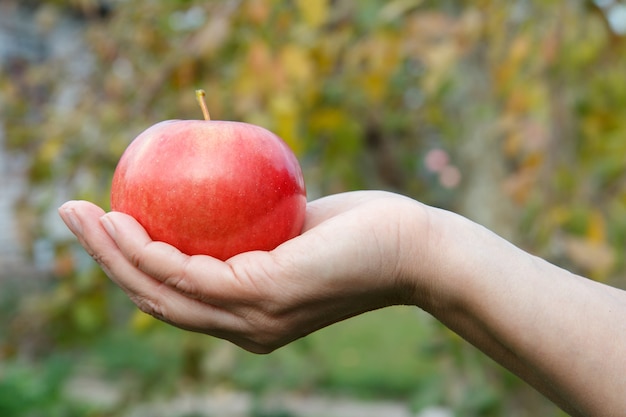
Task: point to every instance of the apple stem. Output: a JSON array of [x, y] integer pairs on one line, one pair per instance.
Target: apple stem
[[200, 94]]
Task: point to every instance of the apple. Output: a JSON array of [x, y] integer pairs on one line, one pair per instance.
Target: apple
[[216, 188]]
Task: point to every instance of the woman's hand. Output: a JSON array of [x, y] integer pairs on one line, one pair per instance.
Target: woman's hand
[[366, 250], [358, 252]]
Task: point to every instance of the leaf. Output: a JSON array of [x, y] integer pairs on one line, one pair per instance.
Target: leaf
[[297, 64], [596, 230], [595, 258], [284, 109], [87, 314], [394, 10], [313, 12], [141, 322]]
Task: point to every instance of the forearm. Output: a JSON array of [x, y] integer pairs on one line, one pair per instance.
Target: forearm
[[563, 334]]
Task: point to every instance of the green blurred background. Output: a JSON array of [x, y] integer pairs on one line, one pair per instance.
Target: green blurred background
[[512, 113]]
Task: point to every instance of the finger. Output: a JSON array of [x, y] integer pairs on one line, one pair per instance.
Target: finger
[[199, 277], [83, 218], [148, 294], [79, 216]]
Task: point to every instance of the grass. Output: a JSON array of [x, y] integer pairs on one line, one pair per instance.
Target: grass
[[396, 353]]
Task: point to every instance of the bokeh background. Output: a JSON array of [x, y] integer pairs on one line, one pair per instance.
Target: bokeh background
[[512, 113]]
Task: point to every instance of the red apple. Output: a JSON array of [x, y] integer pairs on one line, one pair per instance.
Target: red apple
[[209, 187]]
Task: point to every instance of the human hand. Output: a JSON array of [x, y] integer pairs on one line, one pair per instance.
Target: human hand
[[365, 250], [357, 252]]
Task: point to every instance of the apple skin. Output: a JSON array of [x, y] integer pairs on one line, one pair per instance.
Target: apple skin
[[215, 188]]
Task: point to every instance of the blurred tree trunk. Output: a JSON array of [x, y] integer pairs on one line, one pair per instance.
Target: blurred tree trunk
[[483, 198]]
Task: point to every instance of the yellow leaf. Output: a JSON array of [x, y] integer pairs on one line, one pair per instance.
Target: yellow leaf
[[296, 63], [440, 60], [596, 230], [141, 321], [559, 215], [375, 85], [327, 119], [49, 150], [284, 109], [314, 12], [520, 49]]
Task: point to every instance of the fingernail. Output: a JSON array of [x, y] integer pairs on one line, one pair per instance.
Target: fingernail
[[108, 226], [71, 220]]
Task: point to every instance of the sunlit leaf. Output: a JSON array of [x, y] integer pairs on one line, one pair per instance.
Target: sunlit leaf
[[314, 13]]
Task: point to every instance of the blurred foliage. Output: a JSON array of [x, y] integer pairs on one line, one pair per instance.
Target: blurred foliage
[[512, 113]]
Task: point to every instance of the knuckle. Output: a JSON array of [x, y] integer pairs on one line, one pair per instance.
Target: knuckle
[[166, 264], [136, 258], [102, 261], [150, 307], [181, 281]]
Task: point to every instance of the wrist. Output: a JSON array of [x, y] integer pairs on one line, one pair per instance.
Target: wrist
[[421, 264], [452, 250]]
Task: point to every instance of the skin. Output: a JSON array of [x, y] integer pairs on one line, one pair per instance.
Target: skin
[[562, 333]]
